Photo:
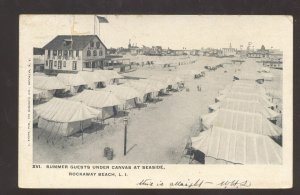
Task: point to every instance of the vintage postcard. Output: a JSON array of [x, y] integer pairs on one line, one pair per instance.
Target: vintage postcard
[[155, 101]]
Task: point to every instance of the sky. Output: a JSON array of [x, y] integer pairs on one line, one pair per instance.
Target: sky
[[173, 31]]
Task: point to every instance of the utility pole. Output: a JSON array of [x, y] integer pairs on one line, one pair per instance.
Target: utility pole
[[125, 135]]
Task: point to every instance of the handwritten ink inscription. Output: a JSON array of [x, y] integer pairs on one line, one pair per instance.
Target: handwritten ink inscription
[[199, 183]]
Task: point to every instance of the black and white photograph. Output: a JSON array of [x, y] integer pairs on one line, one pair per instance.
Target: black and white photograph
[[190, 90]]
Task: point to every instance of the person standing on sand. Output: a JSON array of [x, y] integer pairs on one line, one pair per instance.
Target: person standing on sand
[[198, 88]]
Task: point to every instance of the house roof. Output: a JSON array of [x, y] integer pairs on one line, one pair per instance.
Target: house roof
[[79, 42]]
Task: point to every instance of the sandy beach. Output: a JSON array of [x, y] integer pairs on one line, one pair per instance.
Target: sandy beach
[[157, 133]]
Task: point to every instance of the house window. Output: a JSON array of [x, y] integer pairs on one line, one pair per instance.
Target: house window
[[100, 52], [77, 53], [59, 64], [49, 53], [74, 65], [98, 44], [55, 63], [95, 53], [88, 53], [55, 52], [46, 62], [59, 52], [65, 52], [71, 53], [64, 63], [92, 43]]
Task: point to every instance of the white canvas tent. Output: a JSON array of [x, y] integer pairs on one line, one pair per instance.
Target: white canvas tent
[[37, 94], [111, 75], [263, 99], [240, 121], [93, 79], [245, 106], [64, 117], [148, 91], [35, 118], [49, 85], [103, 100], [169, 80], [74, 82], [222, 146], [128, 96]]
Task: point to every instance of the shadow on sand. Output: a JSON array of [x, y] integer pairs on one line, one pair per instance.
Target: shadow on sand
[[121, 114], [95, 127]]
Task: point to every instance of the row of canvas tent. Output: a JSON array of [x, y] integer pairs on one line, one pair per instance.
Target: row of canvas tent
[[45, 87], [107, 101], [240, 129]]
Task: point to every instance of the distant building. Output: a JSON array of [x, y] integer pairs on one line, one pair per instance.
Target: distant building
[[71, 53], [275, 54], [111, 51], [241, 53], [151, 51], [179, 52], [145, 50], [260, 53], [226, 52], [212, 52], [38, 59], [196, 52], [123, 51], [133, 49], [274, 59], [157, 50]]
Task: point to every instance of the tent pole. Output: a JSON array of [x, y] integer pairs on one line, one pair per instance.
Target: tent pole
[[55, 134], [41, 134], [96, 125], [49, 135]]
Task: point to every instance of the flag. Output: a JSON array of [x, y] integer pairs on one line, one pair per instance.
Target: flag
[[102, 19]]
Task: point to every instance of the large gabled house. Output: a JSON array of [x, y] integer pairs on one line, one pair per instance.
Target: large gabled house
[[72, 53]]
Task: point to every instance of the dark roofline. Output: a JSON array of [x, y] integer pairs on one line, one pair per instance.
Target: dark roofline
[[101, 42], [57, 36]]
